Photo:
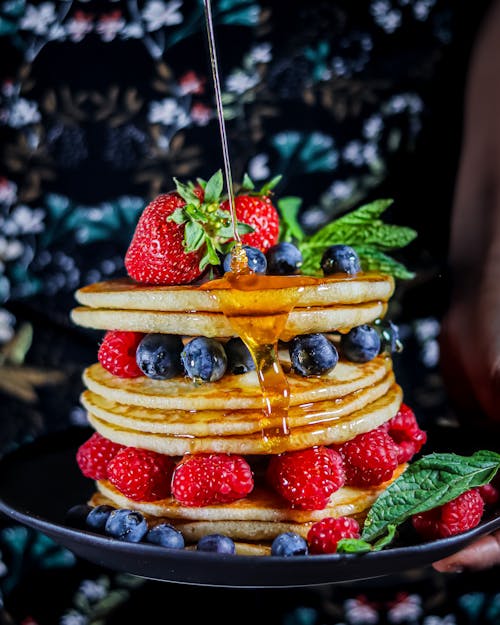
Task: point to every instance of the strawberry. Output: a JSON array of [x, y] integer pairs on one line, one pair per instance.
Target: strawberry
[[256, 209], [180, 233]]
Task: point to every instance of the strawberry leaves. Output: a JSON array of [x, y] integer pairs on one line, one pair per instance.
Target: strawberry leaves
[[207, 226]]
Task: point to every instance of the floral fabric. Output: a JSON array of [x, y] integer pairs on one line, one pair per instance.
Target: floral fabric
[[102, 102]]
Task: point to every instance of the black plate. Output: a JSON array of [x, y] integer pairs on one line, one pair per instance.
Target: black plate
[[40, 481]]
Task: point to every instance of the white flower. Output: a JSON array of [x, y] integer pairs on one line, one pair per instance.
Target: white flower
[[430, 353], [426, 329], [422, 9], [359, 613], [157, 14], [57, 32], [93, 590], [9, 249], [39, 18], [340, 190], [449, 619], [73, 618], [167, 112], [23, 112], [353, 153], [320, 140], [132, 31], [409, 608], [240, 82], [339, 66], [261, 53], [387, 18], [258, 167], [24, 220], [110, 25], [79, 26], [7, 322], [370, 153], [373, 126], [8, 192]]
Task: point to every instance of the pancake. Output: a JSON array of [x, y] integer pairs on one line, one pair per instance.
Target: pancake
[[228, 422], [346, 428], [233, 392], [125, 294], [262, 505], [215, 325]]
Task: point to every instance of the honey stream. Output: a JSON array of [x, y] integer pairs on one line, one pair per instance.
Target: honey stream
[[258, 321]]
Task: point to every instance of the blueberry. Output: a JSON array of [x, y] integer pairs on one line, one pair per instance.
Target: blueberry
[[126, 525], [204, 359], [389, 336], [165, 535], [256, 260], [340, 259], [283, 259], [97, 517], [239, 359], [216, 543], [76, 516], [289, 544], [360, 344], [312, 354], [159, 356]]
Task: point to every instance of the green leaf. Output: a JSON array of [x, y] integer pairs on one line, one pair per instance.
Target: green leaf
[[373, 260], [269, 186], [214, 186], [194, 236], [186, 192], [366, 213], [429, 482], [385, 540], [178, 216], [353, 545], [201, 182], [290, 227], [247, 184]]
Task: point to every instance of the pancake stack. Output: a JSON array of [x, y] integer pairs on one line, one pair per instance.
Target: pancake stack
[[179, 417]]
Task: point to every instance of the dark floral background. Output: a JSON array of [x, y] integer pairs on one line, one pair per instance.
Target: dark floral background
[[102, 102]]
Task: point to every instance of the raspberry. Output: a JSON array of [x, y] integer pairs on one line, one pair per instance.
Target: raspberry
[[370, 458], [140, 474], [206, 479], [456, 516], [117, 353], [94, 456], [324, 535], [405, 432], [489, 494], [307, 478]]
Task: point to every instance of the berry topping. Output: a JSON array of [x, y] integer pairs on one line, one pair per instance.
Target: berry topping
[[325, 534], [204, 359], [405, 432], [369, 459], [389, 336], [76, 516], [239, 359], [140, 474], [94, 456], [312, 354], [126, 525], [283, 259], [256, 260], [180, 233], [289, 544], [207, 479], [117, 353], [360, 344], [165, 535], [256, 209], [98, 516], [216, 543], [489, 494], [307, 478], [456, 516], [340, 259], [159, 356]]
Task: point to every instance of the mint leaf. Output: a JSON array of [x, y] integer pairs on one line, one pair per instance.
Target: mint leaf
[[430, 482], [374, 260], [213, 188], [290, 227], [385, 540], [353, 545]]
